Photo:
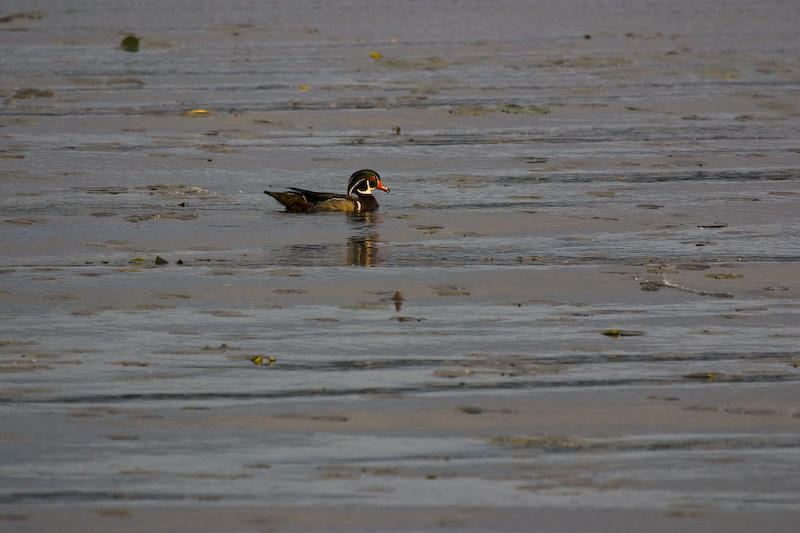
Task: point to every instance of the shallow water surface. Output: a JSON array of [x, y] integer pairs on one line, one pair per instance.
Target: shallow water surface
[[580, 293]]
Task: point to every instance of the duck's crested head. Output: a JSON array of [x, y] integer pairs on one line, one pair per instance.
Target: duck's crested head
[[364, 182]]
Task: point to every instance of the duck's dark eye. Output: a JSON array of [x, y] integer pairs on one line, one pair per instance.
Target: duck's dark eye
[[373, 182]]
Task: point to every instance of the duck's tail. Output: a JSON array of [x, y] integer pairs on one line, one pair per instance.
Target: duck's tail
[[294, 202]]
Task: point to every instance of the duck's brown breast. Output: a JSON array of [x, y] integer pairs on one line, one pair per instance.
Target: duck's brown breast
[[367, 203]]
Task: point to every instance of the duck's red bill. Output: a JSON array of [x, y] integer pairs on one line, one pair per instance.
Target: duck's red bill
[[381, 187]]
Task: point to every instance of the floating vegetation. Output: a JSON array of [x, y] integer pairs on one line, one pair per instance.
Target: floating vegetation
[[95, 81], [24, 221], [226, 314], [452, 373], [263, 360], [470, 110], [451, 290], [651, 286], [130, 44], [322, 319], [103, 190], [605, 194], [552, 443], [31, 15], [724, 276], [421, 63], [175, 190], [656, 285], [524, 109], [132, 363], [222, 348], [285, 273], [196, 113], [171, 296], [531, 159], [218, 149], [366, 306], [704, 376], [617, 333], [156, 216], [26, 94], [426, 227]]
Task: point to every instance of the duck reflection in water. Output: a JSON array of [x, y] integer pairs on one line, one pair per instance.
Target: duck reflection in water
[[362, 245]]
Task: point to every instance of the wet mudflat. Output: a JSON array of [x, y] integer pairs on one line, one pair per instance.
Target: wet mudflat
[[578, 307]]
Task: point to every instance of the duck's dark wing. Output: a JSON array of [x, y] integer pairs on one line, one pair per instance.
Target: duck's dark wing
[[316, 197], [304, 201]]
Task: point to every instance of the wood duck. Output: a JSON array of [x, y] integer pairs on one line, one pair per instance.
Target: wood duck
[[361, 183]]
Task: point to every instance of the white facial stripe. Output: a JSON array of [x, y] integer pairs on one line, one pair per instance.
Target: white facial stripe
[[367, 189]]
